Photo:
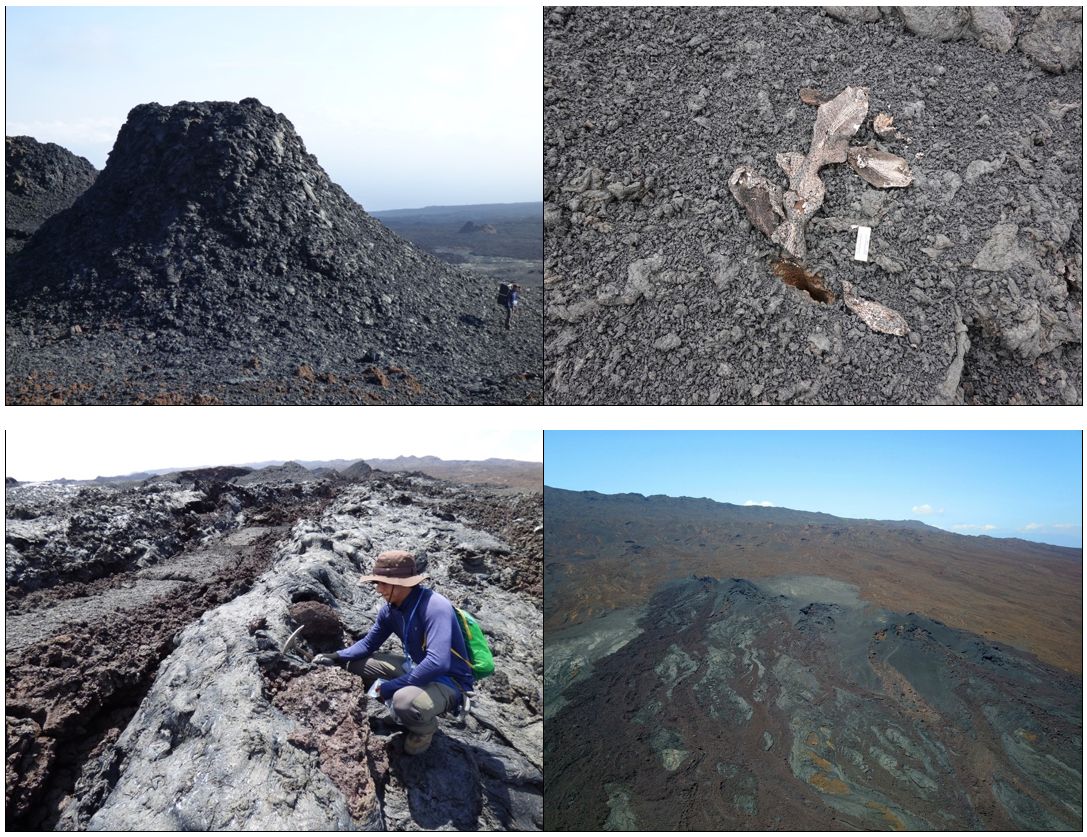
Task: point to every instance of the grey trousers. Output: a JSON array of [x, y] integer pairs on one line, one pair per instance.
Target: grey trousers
[[417, 709]]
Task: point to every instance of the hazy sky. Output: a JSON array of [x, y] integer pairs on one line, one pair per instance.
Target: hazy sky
[[1004, 484], [86, 442], [403, 107]]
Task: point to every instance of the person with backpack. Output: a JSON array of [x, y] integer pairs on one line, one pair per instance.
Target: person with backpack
[[508, 298], [435, 673]]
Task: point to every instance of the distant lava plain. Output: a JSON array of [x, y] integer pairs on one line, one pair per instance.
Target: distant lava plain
[[712, 666]]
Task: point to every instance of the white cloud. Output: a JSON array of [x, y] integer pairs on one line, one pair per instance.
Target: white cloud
[[974, 527], [1050, 527], [758, 503]]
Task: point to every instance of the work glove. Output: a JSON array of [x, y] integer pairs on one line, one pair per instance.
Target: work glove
[[326, 659], [385, 692]]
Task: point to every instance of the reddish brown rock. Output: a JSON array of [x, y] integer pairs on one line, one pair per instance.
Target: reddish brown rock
[[331, 720], [318, 621]]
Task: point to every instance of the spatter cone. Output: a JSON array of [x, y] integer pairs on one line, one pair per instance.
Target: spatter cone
[[40, 179], [215, 245]]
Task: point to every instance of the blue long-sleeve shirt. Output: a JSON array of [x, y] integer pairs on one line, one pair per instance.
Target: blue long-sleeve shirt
[[427, 625]]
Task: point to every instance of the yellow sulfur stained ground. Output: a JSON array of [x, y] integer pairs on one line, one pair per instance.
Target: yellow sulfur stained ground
[[820, 762], [893, 821], [828, 784]]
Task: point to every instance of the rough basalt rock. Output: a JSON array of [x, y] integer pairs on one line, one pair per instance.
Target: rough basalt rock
[[1051, 37], [62, 535], [318, 621], [335, 727], [1055, 40], [40, 180], [214, 257]]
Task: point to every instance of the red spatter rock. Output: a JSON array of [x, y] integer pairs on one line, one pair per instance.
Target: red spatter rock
[[29, 757], [327, 705], [318, 621]]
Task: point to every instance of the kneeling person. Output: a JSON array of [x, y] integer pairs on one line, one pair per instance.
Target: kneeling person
[[434, 676]]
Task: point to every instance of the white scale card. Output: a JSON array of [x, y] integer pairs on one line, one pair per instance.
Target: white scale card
[[864, 235]]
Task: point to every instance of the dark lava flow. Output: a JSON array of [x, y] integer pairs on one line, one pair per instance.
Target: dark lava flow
[[70, 696], [794, 704]]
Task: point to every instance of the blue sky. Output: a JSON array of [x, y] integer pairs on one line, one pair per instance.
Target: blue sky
[[403, 107], [1000, 483]]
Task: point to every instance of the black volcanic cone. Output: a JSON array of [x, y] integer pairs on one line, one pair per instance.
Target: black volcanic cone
[[213, 259], [40, 179]]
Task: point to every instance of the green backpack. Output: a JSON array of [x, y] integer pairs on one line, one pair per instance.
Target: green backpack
[[481, 661]]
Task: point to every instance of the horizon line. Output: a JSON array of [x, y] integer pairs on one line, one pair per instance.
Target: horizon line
[[811, 511], [266, 463], [452, 205]]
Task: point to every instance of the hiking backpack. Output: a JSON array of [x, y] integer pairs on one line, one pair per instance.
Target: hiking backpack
[[503, 294], [480, 659]]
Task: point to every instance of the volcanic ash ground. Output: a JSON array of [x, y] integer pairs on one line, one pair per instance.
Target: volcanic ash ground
[[966, 167]]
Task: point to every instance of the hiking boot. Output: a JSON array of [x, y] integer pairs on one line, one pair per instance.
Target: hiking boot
[[415, 744]]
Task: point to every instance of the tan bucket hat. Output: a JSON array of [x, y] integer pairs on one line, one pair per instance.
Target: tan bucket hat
[[395, 567]]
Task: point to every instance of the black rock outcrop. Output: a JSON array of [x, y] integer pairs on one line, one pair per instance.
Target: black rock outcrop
[[357, 471], [214, 260], [40, 179]]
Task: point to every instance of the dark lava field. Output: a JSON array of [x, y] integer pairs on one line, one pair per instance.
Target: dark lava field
[[660, 290], [213, 261], [146, 687], [793, 704], [711, 666]]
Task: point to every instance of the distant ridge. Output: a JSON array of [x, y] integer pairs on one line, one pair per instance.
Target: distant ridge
[[510, 473], [773, 514], [612, 551], [516, 208]]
